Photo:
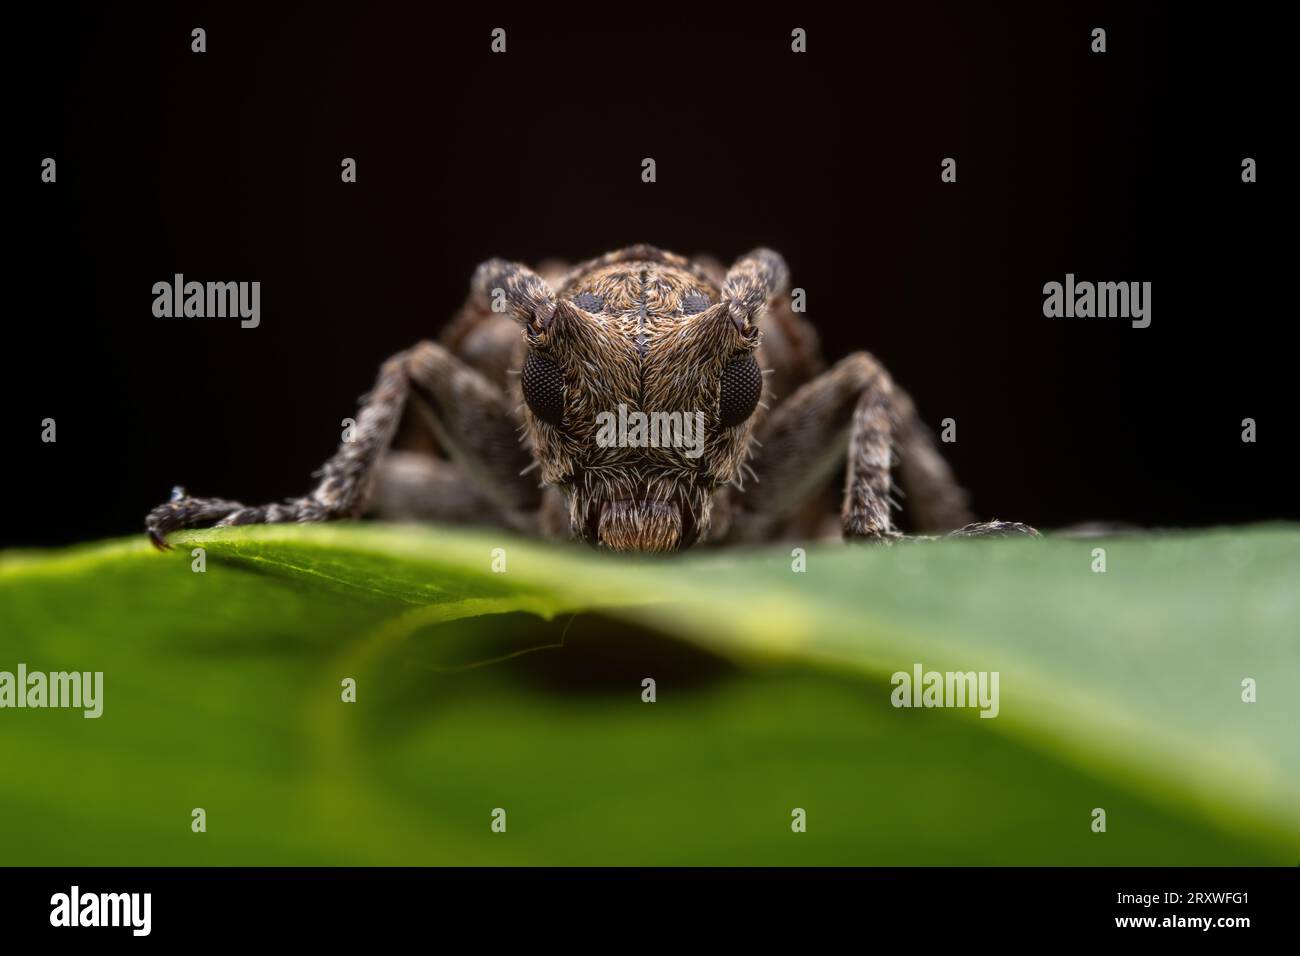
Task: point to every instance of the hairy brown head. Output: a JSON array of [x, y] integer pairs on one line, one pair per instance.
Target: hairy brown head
[[641, 383]]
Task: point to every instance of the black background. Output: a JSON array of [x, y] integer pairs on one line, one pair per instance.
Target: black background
[[1123, 166]]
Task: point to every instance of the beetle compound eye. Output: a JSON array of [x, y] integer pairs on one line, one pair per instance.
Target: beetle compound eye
[[742, 384], [543, 384]]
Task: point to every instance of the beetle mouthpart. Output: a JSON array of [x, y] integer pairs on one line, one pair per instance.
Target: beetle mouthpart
[[628, 525]]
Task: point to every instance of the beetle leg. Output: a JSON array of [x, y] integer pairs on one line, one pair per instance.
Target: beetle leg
[[852, 411], [474, 421]]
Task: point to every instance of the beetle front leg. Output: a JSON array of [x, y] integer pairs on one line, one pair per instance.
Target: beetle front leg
[[855, 412], [473, 419], [869, 483], [846, 410]]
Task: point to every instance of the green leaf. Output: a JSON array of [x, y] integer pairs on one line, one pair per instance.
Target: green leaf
[[522, 691]]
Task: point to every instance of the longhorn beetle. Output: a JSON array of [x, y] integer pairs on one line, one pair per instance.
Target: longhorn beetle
[[515, 388]]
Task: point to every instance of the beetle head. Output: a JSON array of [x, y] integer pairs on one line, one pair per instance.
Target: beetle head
[[640, 383]]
